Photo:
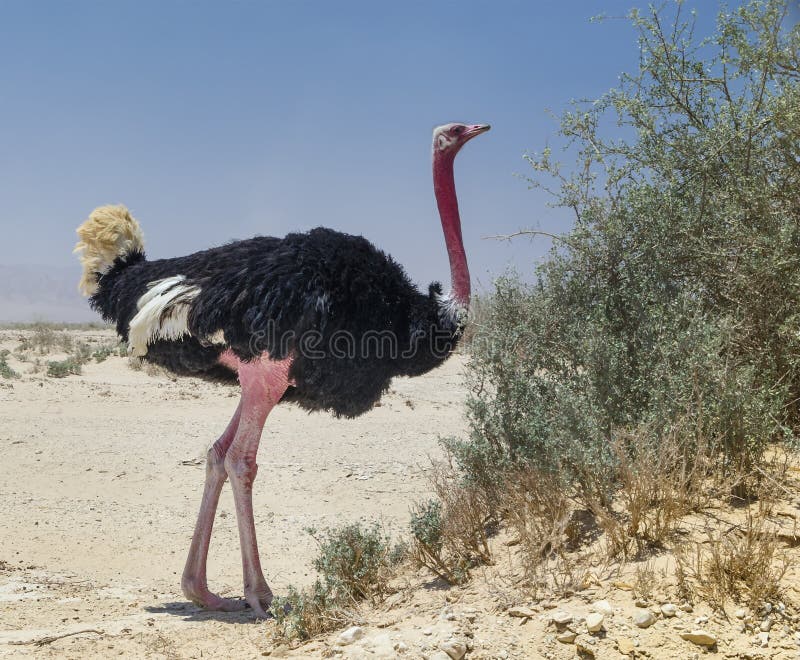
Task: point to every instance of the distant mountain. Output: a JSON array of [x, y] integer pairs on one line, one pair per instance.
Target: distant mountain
[[42, 293]]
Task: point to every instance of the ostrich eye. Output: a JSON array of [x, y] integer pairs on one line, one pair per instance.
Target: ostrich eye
[[457, 130]]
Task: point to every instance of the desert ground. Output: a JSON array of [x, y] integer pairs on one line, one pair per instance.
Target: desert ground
[[100, 480]]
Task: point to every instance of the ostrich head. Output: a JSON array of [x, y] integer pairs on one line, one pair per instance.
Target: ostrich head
[[449, 138]]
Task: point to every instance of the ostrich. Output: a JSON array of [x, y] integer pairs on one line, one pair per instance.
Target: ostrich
[[321, 318]]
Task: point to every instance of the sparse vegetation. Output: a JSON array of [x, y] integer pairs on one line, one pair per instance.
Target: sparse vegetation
[[5, 370], [354, 564], [450, 534], [62, 368]]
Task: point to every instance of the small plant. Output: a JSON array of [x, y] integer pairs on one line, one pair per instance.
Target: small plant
[[741, 564], [451, 532], [354, 563], [5, 370], [62, 368], [106, 350], [82, 352], [427, 529], [303, 614]]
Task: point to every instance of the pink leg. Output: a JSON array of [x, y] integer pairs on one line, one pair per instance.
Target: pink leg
[[193, 582], [263, 384]]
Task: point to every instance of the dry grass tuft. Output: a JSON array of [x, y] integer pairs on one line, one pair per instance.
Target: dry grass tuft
[[451, 533]]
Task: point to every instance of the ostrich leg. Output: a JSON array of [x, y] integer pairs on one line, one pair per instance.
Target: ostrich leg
[[193, 582], [263, 384]]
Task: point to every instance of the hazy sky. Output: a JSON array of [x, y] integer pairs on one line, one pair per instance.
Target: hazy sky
[[221, 120]]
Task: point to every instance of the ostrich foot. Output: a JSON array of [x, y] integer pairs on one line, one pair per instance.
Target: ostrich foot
[[210, 601], [259, 600]]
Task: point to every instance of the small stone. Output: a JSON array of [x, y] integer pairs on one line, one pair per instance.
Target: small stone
[[604, 607], [741, 613], [594, 622], [561, 618], [640, 602], [566, 637], [400, 647], [427, 631], [701, 620], [643, 618], [766, 625], [669, 610], [699, 637], [585, 645], [762, 639], [350, 635], [625, 646], [521, 612], [455, 648], [438, 655], [687, 607]]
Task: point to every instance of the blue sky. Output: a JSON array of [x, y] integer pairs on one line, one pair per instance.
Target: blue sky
[[221, 120]]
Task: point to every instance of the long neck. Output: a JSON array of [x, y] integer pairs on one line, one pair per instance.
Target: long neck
[[444, 187]]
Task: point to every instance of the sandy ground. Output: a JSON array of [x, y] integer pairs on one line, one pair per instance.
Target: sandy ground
[[101, 476], [100, 480]]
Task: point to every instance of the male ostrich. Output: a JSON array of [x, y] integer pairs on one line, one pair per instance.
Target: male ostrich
[[322, 318]]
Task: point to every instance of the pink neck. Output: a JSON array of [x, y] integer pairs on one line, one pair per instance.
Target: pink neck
[[444, 187]]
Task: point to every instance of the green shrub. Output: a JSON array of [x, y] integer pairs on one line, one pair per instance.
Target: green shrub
[[303, 614], [355, 563], [60, 369], [5, 370], [671, 306], [106, 350]]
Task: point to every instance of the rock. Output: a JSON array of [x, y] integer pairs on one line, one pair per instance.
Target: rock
[[400, 647], [701, 620], [643, 618], [427, 631], [641, 602], [585, 645], [594, 622], [699, 637], [521, 612], [438, 655], [566, 637], [561, 618], [766, 625], [762, 639], [669, 610], [625, 645], [604, 607], [741, 613], [454, 647], [350, 635], [687, 607], [767, 608]]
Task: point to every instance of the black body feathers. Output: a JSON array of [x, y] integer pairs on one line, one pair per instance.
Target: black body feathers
[[343, 310]]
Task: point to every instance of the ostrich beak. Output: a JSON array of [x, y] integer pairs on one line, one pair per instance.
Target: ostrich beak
[[476, 129]]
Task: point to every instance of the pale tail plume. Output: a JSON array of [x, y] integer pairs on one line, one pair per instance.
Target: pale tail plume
[[110, 232]]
